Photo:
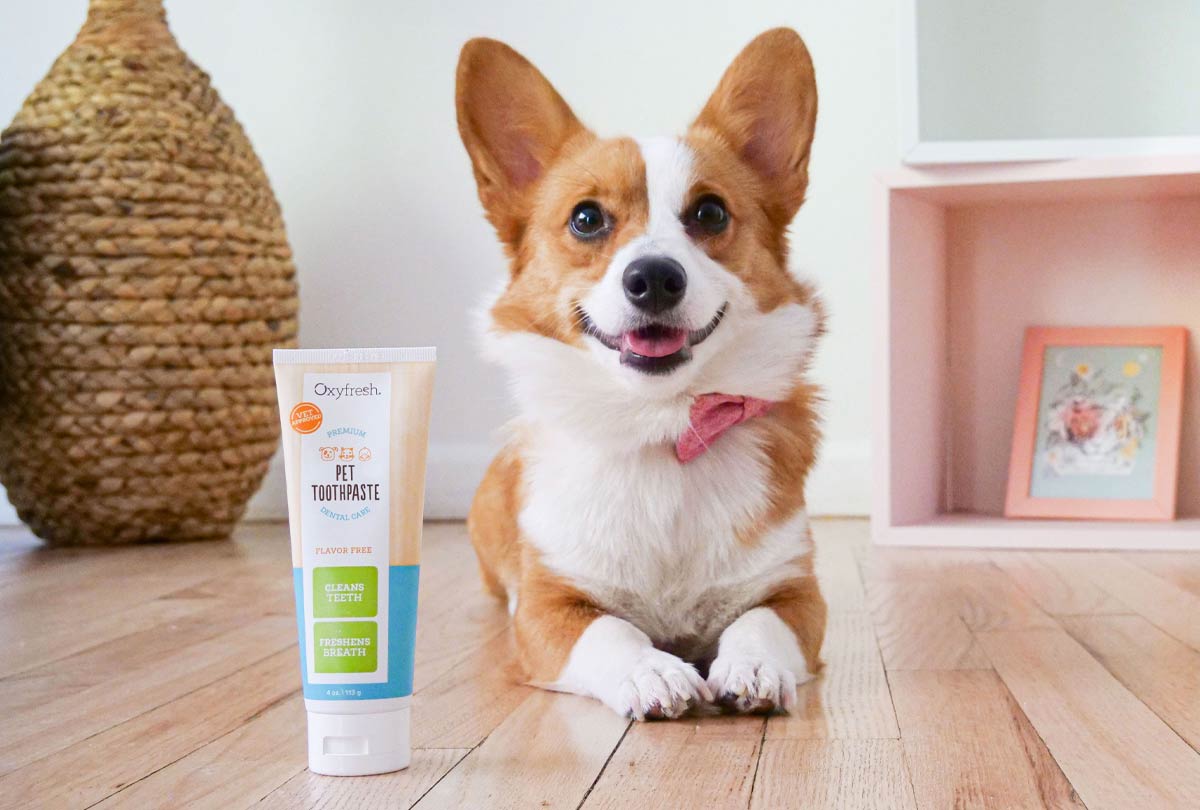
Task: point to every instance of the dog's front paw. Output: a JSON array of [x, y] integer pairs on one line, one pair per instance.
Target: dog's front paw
[[659, 685], [748, 684]]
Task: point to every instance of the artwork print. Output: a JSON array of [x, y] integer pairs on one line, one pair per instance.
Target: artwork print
[[1097, 422]]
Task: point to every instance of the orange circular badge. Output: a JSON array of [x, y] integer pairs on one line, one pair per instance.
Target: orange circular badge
[[306, 417]]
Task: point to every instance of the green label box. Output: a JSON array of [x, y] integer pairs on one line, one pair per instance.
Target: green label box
[[345, 647], [345, 592]]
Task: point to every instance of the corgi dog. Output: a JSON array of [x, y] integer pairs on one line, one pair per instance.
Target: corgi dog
[[646, 519]]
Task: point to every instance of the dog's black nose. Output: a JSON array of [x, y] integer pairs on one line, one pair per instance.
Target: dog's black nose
[[654, 283]]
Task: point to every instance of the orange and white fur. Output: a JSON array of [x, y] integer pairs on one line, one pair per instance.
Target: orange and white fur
[[652, 585]]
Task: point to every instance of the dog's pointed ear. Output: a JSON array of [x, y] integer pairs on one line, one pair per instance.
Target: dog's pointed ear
[[765, 108], [513, 123]]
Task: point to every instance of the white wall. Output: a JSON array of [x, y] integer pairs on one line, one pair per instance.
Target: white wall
[[350, 106], [1120, 69]]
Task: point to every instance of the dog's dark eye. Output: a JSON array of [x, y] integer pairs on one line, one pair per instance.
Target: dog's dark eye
[[587, 220], [708, 215]]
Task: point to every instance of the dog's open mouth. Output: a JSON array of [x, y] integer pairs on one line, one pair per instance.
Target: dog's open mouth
[[653, 348]]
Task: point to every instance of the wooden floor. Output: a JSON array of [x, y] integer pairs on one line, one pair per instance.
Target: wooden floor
[[168, 677]]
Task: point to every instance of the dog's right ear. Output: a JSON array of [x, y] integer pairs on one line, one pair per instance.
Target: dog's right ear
[[514, 124]]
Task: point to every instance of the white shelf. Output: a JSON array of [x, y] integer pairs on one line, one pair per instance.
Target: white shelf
[[967, 530], [970, 257]]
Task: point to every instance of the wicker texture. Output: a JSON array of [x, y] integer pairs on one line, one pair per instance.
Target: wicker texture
[[145, 277]]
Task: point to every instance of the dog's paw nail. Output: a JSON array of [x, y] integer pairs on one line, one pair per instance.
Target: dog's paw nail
[[751, 685], [661, 686]]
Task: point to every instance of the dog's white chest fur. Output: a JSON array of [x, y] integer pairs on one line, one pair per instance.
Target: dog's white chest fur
[[655, 541]]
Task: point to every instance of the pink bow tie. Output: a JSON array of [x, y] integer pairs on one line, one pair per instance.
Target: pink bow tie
[[710, 416]]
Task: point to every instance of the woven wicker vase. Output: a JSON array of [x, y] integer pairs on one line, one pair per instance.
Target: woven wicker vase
[[144, 279]]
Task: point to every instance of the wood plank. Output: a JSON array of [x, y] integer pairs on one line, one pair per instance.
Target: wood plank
[[708, 762], [919, 627], [1181, 568], [463, 706], [1113, 749], [988, 599], [547, 754], [1167, 606], [832, 775], [836, 567], [44, 566], [93, 769], [454, 620], [456, 616], [236, 769], [399, 790], [909, 564], [45, 727], [223, 609], [850, 698], [856, 530], [112, 584], [63, 633], [964, 746], [110, 661], [1055, 789], [1054, 583], [1161, 671], [464, 685]]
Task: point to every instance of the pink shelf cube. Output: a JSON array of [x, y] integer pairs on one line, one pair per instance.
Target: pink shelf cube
[[971, 256]]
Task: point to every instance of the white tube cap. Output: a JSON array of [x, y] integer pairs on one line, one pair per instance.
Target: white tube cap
[[359, 744]]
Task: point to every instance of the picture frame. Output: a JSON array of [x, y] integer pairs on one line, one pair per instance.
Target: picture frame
[[1097, 426]]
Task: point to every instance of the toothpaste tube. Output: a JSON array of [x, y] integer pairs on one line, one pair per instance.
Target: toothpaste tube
[[355, 432]]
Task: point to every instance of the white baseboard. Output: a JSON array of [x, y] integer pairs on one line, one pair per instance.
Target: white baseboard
[[8, 515], [838, 486]]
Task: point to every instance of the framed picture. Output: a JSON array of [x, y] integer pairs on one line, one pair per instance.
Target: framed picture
[[1097, 427]]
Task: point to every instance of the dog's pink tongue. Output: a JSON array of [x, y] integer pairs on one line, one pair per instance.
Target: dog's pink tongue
[[657, 343]]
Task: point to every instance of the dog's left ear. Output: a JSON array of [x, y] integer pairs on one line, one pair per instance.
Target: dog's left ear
[[766, 109]]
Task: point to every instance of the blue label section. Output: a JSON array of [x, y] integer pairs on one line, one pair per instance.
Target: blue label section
[[402, 640]]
